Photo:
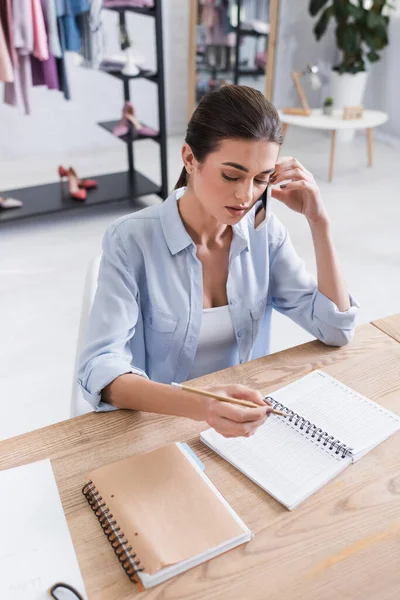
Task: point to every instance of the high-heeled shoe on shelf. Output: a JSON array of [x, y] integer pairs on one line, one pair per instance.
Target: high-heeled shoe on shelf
[[87, 184], [129, 119], [75, 191]]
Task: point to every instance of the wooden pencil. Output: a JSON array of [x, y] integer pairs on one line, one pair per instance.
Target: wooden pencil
[[229, 399]]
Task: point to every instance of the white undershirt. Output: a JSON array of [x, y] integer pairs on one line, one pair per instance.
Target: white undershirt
[[217, 348]]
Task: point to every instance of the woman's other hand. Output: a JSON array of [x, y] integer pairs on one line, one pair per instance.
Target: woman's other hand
[[301, 193]]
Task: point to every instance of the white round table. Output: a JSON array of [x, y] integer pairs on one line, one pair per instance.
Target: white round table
[[335, 122]]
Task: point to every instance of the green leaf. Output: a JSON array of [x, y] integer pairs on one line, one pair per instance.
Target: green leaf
[[323, 22], [376, 39], [373, 56], [355, 11], [374, 20], [349, 38], [315, 6]]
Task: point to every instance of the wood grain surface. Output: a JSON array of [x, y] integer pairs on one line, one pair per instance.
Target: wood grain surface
[[390, 325], [343, 542]]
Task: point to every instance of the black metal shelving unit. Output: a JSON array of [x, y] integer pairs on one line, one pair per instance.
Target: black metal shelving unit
[[237, 69], [127, 185], [239, 72]]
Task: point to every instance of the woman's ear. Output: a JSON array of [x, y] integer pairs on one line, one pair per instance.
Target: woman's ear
[[188, 158]]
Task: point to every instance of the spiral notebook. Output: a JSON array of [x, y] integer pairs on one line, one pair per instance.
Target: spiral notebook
[[161, 514], [328, 427]]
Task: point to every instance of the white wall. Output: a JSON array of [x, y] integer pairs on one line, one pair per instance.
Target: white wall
[[296, 48], [383, 87], [56, 124]]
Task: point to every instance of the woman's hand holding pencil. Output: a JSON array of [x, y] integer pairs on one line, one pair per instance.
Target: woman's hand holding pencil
[[233, 410]]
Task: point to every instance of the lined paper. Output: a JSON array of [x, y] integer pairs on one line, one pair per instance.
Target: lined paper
[[279, 459], [337, 409], [289, 463]]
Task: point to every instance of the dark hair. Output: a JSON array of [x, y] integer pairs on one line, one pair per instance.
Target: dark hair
[[233, 111]]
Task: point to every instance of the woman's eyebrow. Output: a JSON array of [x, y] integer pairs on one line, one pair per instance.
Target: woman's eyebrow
[[242, 168]]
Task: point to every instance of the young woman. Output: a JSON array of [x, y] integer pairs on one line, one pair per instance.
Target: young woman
[[187, 287]]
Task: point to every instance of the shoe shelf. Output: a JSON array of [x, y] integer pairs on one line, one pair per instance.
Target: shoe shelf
[[126, 186], [128, 139], [149, 75], [51, 198], [251, 33], [150, 12]]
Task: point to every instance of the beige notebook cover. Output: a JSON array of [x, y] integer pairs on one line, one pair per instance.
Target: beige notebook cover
[[170, 513]]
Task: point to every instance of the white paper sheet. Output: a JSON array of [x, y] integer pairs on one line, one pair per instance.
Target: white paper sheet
[[36, 549]]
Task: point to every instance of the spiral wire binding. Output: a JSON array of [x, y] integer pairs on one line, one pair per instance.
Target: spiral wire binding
[[117, 539], [316, 432]]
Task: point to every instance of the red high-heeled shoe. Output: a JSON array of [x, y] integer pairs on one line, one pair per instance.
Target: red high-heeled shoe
[[88, 184], [73, 184]]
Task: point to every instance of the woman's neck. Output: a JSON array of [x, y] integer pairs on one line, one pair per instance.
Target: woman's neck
[[202, 228]]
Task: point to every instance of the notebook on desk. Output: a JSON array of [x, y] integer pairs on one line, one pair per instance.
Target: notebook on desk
[[162, 514], [329, 427]]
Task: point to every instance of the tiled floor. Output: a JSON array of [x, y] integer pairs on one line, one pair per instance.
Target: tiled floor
[[43, 263]]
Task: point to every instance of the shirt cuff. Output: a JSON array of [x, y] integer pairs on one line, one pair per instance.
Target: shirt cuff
[[327, 312], [102, 374]]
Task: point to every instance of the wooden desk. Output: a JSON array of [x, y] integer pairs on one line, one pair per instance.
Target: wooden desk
[[344, 542], [389, 325]]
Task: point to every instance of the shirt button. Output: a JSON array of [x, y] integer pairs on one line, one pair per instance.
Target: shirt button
[[240, 333], [232, 301], [241, 361]]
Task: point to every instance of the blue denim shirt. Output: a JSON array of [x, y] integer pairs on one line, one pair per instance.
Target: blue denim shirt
[[147, 311]]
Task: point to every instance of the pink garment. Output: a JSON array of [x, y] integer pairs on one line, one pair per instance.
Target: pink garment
[[40, 43], [6, 68], [10, 32], [17, 93]]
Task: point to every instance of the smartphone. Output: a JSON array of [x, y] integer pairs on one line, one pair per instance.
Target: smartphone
[[266, 201]]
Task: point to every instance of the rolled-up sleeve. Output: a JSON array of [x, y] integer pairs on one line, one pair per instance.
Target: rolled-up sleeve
[[295, 293], [113, 318]]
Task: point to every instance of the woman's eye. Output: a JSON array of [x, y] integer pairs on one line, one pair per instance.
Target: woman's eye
[[227, 178], [261, 182]]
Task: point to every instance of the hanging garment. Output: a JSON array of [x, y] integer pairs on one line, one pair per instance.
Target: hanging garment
[[50, 15], [44, 72], [40, 42], [67, 12], [18, 92], [7, 18], [93, 43], [6, 68]]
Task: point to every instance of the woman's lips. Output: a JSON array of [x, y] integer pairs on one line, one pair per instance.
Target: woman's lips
[[236, 211]]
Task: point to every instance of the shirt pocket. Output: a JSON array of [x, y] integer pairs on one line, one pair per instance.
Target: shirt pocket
[[159, 331], [257, 312]]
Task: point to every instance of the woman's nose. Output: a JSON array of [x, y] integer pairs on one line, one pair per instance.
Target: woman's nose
[[244, 192]]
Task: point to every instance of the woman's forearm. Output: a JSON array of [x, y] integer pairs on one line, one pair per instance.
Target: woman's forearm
[[138, 393], [331, 282]]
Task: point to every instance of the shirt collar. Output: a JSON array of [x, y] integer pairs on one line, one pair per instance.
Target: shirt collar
[[175, 233]]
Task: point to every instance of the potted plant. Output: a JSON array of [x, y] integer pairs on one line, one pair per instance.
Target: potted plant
[[328, 105], [361, 35]]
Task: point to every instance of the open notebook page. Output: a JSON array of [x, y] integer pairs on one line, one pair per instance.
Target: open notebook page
[[280, 459], [337, 409]]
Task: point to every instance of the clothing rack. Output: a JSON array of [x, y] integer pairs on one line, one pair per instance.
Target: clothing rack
[[115, 187]]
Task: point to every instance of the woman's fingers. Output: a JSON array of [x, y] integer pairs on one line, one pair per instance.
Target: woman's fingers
[[242, 392], [229, 428], [294, 174], [288, 163], [240, 414]]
